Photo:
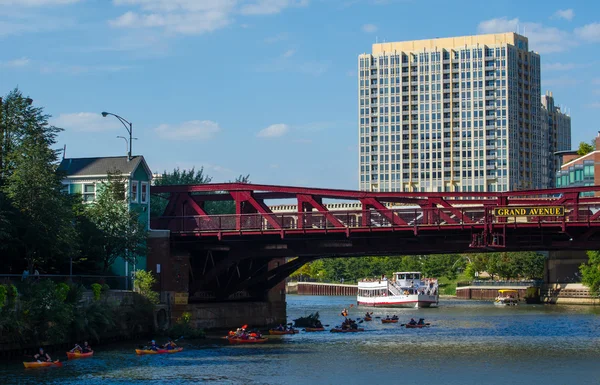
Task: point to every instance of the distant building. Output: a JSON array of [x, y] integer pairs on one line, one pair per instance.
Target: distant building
[[578, 171], [556, 131], [85, 176], [452, 114]]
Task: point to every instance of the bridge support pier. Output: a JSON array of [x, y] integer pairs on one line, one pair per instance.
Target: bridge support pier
[[563, 266]]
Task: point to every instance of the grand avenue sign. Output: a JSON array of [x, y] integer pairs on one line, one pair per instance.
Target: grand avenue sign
[[529, 211]]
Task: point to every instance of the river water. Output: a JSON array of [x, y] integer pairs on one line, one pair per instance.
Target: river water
[[469, 342]]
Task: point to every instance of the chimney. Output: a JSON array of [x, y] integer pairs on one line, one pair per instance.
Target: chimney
[[598, 141]]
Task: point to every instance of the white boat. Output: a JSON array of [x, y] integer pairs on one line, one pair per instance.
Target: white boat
[[507, 298], [406, 289]]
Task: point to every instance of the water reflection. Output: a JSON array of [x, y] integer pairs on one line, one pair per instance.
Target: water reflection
[[468, 343]]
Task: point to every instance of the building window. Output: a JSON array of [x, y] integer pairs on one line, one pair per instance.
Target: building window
[[144, 193], [134, 191], [89, 192]]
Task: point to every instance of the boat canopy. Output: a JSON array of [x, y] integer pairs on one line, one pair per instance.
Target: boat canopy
[[507, 291]]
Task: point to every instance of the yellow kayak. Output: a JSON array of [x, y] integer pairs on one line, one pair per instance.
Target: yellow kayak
[[32, 365], [141, 352]]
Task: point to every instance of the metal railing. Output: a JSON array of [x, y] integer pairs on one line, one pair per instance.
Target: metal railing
[[524, 283]]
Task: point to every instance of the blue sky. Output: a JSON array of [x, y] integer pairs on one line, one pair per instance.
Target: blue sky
[[259, 87]]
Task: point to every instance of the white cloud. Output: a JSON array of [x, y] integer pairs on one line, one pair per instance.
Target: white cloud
[[369, 28], [276, 38], [274, 131], [562, 81], [288, 53], [566, 14], [559, 66], [36, 3], [190, 130], [269, 7], [541, 38], [85, 122], [15, 63], [53, 68], [589, 32], [194, 17], [593, 105]]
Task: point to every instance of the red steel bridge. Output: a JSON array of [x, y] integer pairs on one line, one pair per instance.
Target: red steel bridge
[[234, 252]]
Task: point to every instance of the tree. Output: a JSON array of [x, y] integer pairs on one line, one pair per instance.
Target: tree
[[121, 234], [590, 272], [44, 231], [585, 148], [158, 203]]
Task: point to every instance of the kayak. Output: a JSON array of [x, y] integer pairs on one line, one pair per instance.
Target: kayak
[[409, 326], [368, 319], [140, 352], [389, 321], [314, 329], [74, 355], [32, 365], [282, 332], [336, 330], [248, 341]]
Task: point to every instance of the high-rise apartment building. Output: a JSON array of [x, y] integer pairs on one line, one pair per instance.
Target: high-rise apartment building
[[556, 125], [451, 114]]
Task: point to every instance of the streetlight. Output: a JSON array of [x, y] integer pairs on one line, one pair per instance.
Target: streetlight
[[126, 141], [128, 126]]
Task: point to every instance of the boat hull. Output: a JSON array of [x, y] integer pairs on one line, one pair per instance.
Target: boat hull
[[389, 321], [74, 356], [408, 326], [234, 341], [141, 352], [35, 365], [408, 301], [311, 330], [335, 330]]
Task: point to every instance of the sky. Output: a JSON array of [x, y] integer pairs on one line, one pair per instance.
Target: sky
[[260, 87]]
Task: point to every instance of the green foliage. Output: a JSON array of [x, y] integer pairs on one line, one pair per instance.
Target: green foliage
[[143, 283], [3, 295], [97, 290], [183, 328], [62, 290], [120, 233], [42, 223], [105, 288], [590, 272], [585, 148]]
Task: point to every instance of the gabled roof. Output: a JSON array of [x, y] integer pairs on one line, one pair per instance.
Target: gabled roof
[[80, 167]]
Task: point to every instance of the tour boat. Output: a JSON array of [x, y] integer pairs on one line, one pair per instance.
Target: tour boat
[[507, 298], [74, 355], [314, 330], [159, 351], [35, 364], [407, 289], [275, 332]]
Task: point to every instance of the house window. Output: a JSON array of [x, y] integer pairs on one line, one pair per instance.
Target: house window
[[134, 191], [89, 192], [144, 193]]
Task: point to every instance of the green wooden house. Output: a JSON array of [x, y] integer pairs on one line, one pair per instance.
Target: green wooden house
[[85, 176]]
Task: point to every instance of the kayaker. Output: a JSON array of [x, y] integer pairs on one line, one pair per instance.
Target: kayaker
[[367, 315], [421, 321], [42, 356], [345, 312], [86, 348], [412, 322], [280, 328], [153, 346], [170, 345], [76, 349]]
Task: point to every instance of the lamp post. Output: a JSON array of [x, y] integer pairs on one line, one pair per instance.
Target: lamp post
[[128, 126]]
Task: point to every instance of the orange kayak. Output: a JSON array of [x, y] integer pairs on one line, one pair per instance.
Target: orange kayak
[[141, 352], [74, 355], [315, 329], [248, 341], [389, 321], [409, 326], [368, 319], [334, 330], [32, 365], [282, 332]]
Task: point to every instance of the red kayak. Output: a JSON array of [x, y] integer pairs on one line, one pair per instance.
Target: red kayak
[[247, 341], [409, 326], [75, 355]]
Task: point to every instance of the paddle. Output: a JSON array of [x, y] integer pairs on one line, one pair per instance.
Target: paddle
[[377, 317]]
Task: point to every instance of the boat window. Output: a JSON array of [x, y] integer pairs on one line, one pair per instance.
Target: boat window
[[402, 276], [417, 276], [409, 276]]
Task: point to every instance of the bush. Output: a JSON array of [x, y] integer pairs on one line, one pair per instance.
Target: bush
[[184, 328], [2, 296], [105, 288], [143, 283], [97, 290], [62, 290]]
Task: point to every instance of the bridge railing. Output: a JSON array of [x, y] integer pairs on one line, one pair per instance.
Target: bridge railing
[[398, 218]]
